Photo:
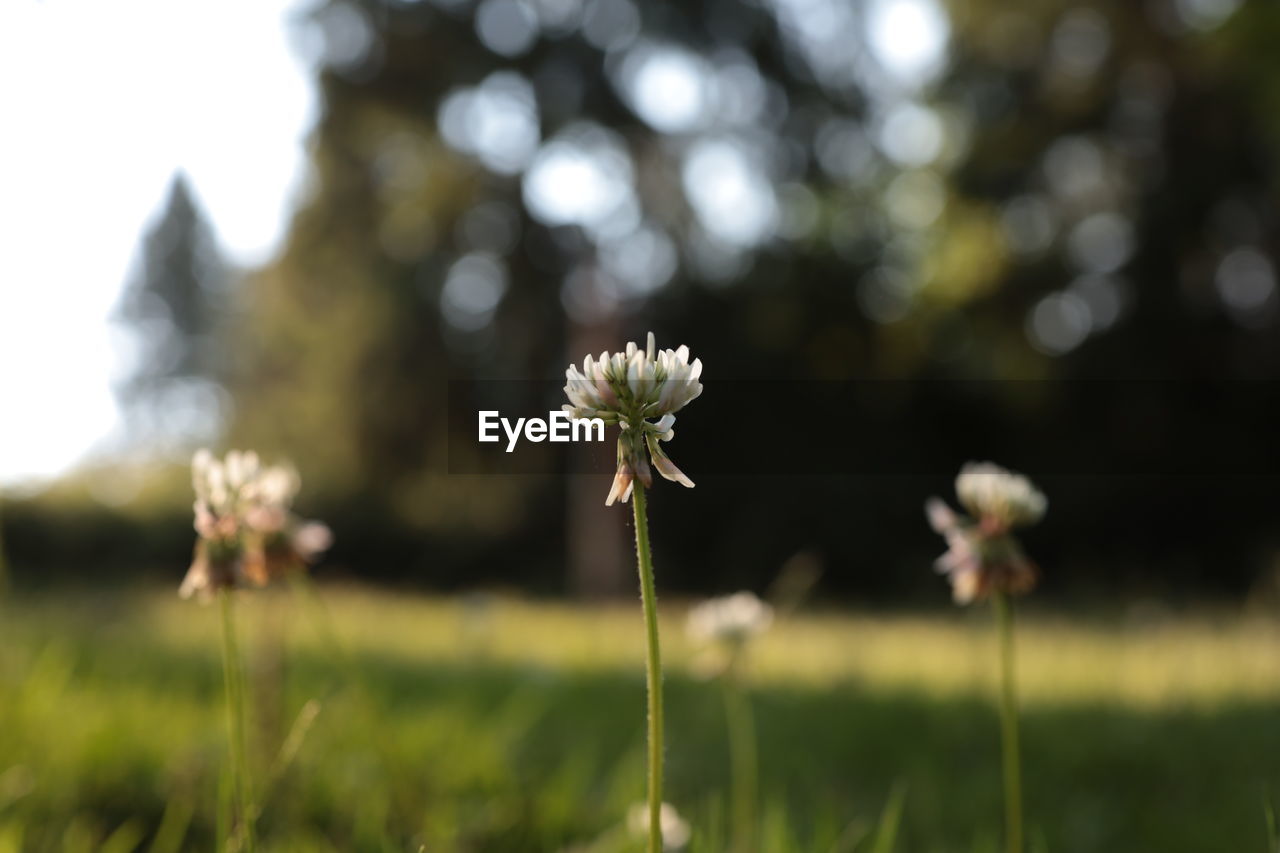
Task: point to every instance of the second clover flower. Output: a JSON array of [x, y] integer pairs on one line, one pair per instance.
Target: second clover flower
[[640, 390], [982, 554], [245, 525]]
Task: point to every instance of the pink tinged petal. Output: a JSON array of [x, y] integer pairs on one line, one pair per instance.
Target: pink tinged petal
[[196, 581], [965, 586], [206, 524], [621, 489], [941, 517], [312, 539], [668, 399], [668, 469], [606, 392]]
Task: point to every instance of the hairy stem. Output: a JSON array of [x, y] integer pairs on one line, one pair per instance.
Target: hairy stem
[[653, 669], [242, 834], [1009, 725]]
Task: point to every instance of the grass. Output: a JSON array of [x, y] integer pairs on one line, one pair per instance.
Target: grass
[[484, 724]]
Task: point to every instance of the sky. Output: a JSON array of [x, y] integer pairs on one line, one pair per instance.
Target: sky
[[102, 104]]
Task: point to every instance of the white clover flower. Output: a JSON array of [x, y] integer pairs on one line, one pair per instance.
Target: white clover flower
[[982, 554], [629, 389], [216, 498], [998, 497], [241, 469], [730, 621], [281, 542], [275, 486], [675, 829], [246, 526]]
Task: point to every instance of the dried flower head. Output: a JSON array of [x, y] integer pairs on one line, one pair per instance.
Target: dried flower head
[[245, 524], [982, 554], [220, 486], [632, 389], [675, 829]]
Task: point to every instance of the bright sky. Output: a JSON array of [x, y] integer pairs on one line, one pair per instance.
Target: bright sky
[[102, 102]]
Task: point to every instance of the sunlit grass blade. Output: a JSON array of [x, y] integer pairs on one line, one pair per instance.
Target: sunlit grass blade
[[226, 810], [173, 827], [125, 839], [11, 838], [854, 833], [1269, 814], [890, 820]]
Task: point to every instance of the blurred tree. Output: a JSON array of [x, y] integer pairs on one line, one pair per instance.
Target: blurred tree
[[175, 308]]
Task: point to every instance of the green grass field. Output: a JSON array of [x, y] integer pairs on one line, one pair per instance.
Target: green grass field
[[494, 725]]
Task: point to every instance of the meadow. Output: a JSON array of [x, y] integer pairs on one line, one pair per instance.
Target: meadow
[[387, 721]]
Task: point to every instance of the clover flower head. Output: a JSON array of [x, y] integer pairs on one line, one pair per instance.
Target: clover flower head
[[275, 486], [640, 390], [998, 497], [268, 499], [246, 527], [675, 829], [982, 554], [731, 621]]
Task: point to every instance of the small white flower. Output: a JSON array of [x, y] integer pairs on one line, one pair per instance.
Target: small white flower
[[730, 621], [629, 389], [675, 829], [275, 486], [241, 468], [215, 499], [246, 526], [982, 554], [998, 497]]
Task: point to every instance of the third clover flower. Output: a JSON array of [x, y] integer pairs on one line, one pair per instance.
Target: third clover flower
[[982, 554]]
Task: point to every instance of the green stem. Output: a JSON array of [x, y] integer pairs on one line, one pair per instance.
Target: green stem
[[1009, 725], [653, 669], [743, 761], [236, 726]]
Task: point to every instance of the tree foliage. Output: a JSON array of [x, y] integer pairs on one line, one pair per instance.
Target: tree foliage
[[175, 309], [1058, 191]]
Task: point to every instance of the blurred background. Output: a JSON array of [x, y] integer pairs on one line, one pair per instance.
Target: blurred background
[[324, 230], [289, 226]]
